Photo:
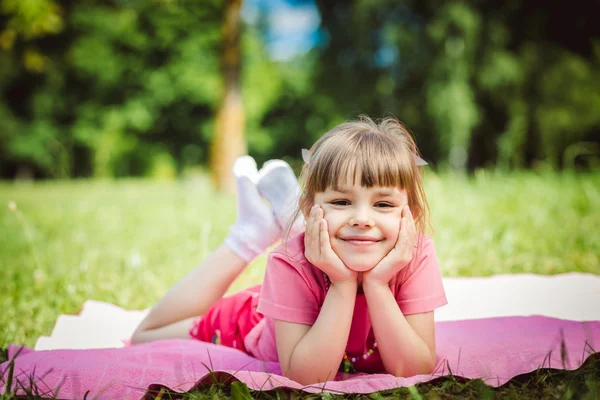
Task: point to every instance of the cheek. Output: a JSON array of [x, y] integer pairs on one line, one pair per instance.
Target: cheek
[[331, 223], [391, 229]]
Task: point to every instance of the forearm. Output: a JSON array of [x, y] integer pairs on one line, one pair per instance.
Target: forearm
[[403, 352], [317, 357], [176, 330]]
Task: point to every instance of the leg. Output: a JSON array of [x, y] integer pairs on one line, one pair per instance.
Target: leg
[[255, 230], [173, 315]]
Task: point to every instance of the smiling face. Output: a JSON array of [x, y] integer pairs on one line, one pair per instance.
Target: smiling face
[[363, 222], [362, 174]]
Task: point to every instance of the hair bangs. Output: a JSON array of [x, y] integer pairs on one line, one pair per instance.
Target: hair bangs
[[335, 167], [367, 158], [376, 162]]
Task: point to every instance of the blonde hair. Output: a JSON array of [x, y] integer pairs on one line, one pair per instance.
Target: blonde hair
[[376, 153]]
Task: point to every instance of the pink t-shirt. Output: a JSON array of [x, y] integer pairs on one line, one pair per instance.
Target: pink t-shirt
[[294, 290]]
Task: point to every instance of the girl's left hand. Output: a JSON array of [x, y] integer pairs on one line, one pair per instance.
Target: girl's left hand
[[400, 255]]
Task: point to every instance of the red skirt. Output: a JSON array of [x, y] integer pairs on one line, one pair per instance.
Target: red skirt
[[229, 320]]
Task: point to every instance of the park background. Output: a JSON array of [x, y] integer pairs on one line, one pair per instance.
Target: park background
[[115, 115]]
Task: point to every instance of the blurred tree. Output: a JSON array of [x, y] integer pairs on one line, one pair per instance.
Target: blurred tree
[[23, 26], [129, 87], [150, 81], [450, 96], [228, 143], [136, 96], [479, 82], [530, 81], [29, 20]]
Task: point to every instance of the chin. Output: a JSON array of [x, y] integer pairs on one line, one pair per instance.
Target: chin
[[360, 268], [362, 265]]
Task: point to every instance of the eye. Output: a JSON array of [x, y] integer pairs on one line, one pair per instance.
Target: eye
[[340, 202], [384, 205]]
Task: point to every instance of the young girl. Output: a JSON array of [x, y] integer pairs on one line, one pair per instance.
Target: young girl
[[355, 292]]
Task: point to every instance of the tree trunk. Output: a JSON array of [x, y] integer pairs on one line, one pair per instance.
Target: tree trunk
[[228, 142]]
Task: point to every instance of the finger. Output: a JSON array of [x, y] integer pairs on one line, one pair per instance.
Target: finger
[[410, 222], [411, 235], [310, 230], [323, 237], [401, 231], [308, 227], [407, 233], [403, 236], [412, 230], [307, 238], [323, 232], [315, 230]]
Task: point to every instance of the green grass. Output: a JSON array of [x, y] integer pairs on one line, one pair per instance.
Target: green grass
[[126, 242]]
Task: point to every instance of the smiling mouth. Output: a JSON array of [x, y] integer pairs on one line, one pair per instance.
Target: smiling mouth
[[360, 241]]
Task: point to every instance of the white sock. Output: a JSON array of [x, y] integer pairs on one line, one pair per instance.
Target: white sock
[[255, 228], [278, 184]]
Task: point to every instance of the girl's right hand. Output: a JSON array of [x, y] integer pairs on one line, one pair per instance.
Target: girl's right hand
[[318, 251]]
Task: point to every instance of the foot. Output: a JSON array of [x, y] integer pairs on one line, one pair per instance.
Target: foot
[[256, 228], [278, 184]]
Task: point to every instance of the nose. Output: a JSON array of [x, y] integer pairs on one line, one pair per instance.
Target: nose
[[361, 218]]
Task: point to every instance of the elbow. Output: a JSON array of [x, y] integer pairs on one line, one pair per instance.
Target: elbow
[[425, 367], [308, 379], [309, 376], [306, 370], [428, 367], [302, 380]]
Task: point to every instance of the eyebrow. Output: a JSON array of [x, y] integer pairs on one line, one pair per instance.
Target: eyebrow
[[385, 192], [379, 192], [341, 190]]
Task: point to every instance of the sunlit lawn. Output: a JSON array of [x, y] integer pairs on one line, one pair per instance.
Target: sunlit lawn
[[126, 242]]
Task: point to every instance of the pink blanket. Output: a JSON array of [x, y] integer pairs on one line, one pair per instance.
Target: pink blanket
[[493, 349]]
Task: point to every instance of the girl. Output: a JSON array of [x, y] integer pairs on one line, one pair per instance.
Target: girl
[[355, 292]]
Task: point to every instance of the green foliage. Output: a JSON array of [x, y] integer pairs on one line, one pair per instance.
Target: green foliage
[[30, 18], [100, 89], [570, 100], [454, 30], [476, 84], [239, 391]]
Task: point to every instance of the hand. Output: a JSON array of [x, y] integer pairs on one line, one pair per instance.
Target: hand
[[399, 256], [318, 251]]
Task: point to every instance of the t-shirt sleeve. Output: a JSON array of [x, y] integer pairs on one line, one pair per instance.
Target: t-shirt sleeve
[[288, 293], [420, 288]]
